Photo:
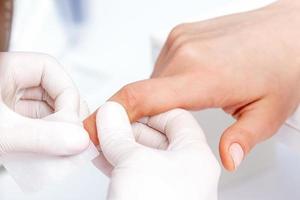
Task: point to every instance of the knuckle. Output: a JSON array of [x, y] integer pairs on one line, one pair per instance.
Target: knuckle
[[128, 97], [176, 33], [186, 50], [128, 94]]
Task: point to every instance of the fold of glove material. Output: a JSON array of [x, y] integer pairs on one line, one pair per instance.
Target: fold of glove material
[[33, 172]]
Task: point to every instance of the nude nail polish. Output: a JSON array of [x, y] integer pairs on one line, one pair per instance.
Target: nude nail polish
[[237, 154]]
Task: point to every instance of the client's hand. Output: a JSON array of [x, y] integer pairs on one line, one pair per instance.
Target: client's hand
[[246, 63]]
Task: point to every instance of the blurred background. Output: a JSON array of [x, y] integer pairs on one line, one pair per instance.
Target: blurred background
[[105, 44]]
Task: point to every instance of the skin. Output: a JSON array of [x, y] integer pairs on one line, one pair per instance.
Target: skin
[[6, 10], [90, 126], [247, 64]]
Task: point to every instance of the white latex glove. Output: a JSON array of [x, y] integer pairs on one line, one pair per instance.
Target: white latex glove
[[39, 107], [187, 169]]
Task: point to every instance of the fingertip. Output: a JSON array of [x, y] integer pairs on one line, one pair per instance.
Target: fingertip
[[102, 118], [112, 115], [75, 140], [64, 139], [116, 133], [225, 157], [233, 147], [111, 106]]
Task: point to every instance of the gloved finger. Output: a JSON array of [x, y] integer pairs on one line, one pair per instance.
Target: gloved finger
[[20, 134], [143, 135], [116, 136], [149, 137], [41, 70], [38, 94], [40, 109], [253, 126], [83, 109], [180, 127], [43, 103], [33, 109], [63, 116]]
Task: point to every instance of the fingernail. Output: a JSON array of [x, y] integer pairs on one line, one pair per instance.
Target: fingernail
[[237, 154]]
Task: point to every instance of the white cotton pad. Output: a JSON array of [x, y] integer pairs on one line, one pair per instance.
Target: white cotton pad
[[33, 172]]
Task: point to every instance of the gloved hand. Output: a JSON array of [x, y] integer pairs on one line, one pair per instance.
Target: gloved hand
[[39, 107], [186, 169]]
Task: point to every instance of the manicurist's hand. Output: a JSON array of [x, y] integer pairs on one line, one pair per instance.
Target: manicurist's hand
[[184, 168], [247, 64], [39, 107]]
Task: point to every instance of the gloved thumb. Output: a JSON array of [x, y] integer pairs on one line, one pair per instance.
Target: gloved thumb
[[117, 139], [21, 134], [251, 128]]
